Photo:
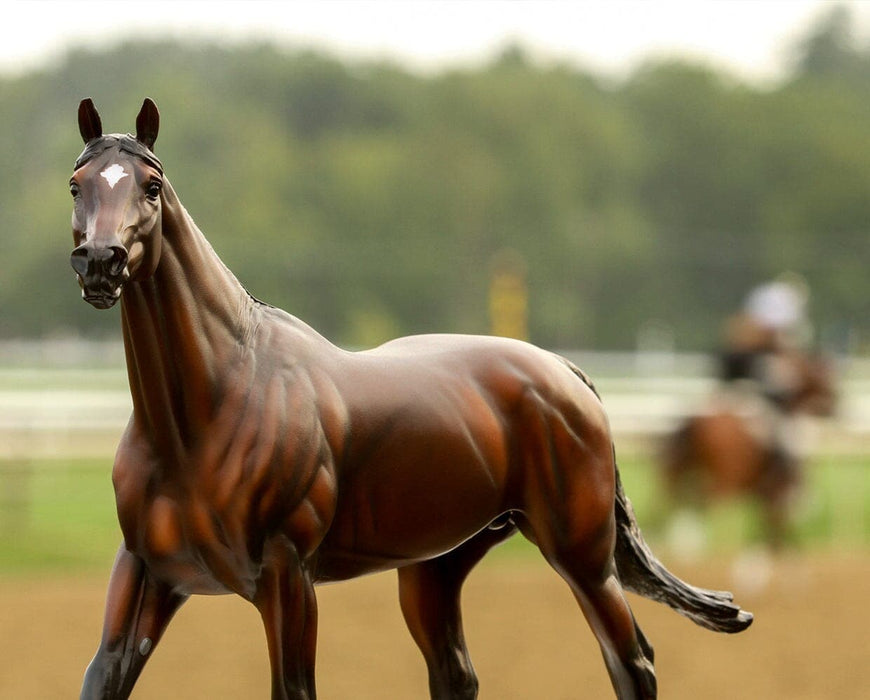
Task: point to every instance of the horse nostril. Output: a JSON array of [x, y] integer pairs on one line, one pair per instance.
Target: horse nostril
[[79, 261], [109, 261], [118, 260]]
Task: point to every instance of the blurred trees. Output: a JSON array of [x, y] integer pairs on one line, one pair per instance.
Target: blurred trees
[[372, 202]]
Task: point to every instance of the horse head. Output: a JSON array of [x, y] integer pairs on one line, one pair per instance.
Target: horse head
[[817, 393], [116, 218]]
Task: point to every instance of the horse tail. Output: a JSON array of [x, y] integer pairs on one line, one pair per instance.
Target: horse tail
[[640, 572]]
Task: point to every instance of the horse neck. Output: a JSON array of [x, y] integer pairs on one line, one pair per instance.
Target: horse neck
[[183, 329]]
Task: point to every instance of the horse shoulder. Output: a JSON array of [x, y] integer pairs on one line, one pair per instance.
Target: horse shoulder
[[295, 420], [135, 472]]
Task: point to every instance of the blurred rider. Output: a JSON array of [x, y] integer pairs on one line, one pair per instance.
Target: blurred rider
[[758, 361]]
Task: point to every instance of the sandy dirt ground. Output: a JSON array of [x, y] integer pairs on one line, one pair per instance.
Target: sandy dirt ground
[[527, 638]]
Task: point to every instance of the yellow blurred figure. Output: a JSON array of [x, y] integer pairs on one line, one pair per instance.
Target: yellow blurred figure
[[508, 296]]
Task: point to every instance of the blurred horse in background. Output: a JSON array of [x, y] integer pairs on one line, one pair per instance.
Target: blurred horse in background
[[746, 443]]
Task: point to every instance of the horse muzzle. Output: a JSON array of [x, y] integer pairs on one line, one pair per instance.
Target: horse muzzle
[[101, 272]]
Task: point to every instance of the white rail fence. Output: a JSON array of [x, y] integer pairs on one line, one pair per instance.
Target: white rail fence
[[52, 406]]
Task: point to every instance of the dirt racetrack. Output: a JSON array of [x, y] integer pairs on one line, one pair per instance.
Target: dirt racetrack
[[527, 638]]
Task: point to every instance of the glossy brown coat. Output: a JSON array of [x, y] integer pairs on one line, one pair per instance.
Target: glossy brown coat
[[261, 459]]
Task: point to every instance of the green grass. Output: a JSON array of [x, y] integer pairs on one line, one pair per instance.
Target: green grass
[[59, 516], [834, 513], [837, 507]]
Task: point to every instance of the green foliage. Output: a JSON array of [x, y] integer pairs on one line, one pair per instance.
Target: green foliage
[[372, 201]]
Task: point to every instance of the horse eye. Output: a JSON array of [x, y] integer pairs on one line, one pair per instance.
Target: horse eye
[[154, 190], [74, 190]]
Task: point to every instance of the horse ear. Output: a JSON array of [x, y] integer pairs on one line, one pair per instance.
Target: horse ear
[[90, 125], [147, 124]]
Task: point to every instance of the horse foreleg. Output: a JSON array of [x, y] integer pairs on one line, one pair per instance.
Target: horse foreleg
[[429, 595], [286, 601], [778, 488], [137, 612]]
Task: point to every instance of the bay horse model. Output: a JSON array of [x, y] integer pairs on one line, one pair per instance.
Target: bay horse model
[[260, 459], [746, 441]]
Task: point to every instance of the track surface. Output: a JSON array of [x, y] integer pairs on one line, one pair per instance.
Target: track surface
[[527, 638]]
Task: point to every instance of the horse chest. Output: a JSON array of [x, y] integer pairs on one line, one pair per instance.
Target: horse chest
[[201, 517], [186, 542]]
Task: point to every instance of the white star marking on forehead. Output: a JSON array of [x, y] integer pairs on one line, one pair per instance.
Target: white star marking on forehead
[[112, 174]]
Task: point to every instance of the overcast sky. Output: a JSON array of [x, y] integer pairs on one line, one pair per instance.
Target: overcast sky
[[750, 38]]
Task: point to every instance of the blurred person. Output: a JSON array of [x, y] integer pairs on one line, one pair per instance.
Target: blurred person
[[773, 321], [762, 345], [748, 438]]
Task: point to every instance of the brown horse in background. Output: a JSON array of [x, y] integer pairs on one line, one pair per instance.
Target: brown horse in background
[[261, 459], [743, 444]]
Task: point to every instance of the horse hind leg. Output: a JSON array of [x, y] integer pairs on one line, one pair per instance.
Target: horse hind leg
[[569, 515], [429, 594], [575, 529], [626, 650]]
